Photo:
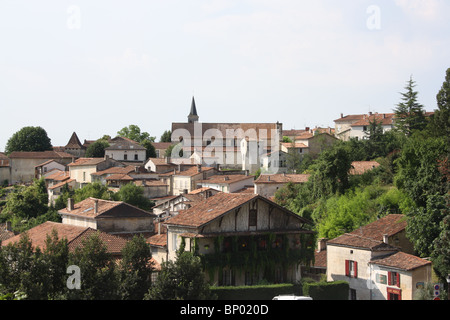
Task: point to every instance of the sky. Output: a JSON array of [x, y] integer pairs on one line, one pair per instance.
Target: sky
[[94, 67]]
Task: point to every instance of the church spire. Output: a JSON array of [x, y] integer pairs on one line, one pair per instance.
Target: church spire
[[193, 116]]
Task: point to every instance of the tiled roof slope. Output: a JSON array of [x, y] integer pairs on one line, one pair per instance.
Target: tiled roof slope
[[282, 178], [75, 236], [106, 209], [401, 260], [209, 209], [371, 236], [215, 206]]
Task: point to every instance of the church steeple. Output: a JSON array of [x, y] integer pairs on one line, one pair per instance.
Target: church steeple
[[193, 116]]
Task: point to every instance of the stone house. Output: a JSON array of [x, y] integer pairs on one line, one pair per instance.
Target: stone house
[[74, 147], [314, 142], [23, 163], [160, 148], [242, 239], [126, 150], [43, 169], [172, 205], [82, 168], [355, 125], [369, 258], [114, 217], [267, 184], [5, 169], [227, 182], [185, 179]]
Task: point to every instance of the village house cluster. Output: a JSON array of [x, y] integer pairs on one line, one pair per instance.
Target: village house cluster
[[209, 201]]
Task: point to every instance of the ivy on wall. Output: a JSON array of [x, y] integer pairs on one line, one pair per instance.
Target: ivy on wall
[[257, 253]]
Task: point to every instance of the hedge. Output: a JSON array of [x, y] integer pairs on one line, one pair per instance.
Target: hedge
[[259, 292], [336, 290]]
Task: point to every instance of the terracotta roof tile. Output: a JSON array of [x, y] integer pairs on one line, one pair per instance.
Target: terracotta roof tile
[[40, 155], [210, 209], [75, 236], [226, 178], [401, 260], [106, 209], [359, 167], [86, 162], [282, 178], [371, 235]]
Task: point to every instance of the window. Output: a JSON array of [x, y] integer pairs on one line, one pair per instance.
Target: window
[[136, 157], [125, 157], [228, 278], [252, 218], [394, 279], [351, 268], [394, 294], [174, 242], [352, 294]]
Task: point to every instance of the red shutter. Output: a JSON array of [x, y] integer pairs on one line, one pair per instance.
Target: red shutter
[[347, 268], [389, 278], [355, 267], [398, 280]]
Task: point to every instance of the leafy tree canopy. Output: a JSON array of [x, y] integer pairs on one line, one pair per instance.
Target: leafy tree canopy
[[29, 139]]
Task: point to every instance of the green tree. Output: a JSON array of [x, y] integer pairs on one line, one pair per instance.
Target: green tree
[[166, 136], [29, 139], [134, 195], [441, 249], [330, 171], [99, 279], [135, 269], [180, 280], [440, 123], [150, 149], [97, 149], [133, 132], [418, 167], [25, 203], [92, 190], [409, 114], [424, 225]]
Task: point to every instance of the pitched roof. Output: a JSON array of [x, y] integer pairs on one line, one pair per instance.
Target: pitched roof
[[359, 167], [86, 162], [226, 178], [371, 235], [75, 235], [50, 154], [123, 143], [382, 118], [357, 241], [105, 209], [388, 225], [282, 178], [58, 175], [193, 111], [74, 142], [215, 206], [400, 260]]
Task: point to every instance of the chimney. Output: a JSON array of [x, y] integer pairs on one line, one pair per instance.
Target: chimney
[[307, 129], [385, 238], [96, 206], [342, 115], [69, 204], [321, 244]]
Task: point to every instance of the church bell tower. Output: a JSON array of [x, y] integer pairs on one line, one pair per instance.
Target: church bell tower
[[193, 116]]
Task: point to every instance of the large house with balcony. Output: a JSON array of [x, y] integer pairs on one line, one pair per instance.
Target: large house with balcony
[[242, 239]]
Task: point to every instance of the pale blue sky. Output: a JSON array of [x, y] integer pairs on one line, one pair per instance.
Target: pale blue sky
[[94, 66]]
